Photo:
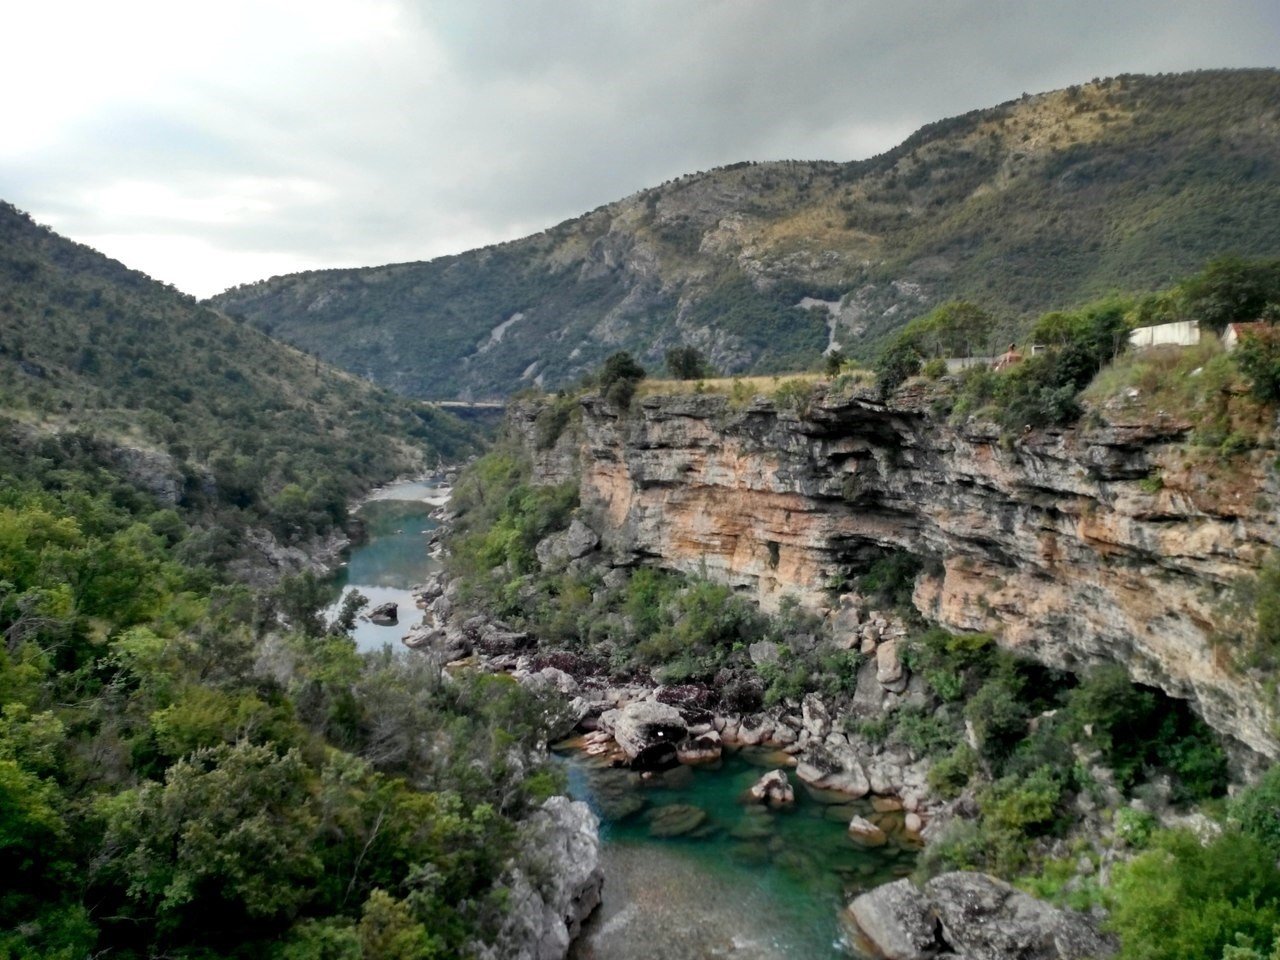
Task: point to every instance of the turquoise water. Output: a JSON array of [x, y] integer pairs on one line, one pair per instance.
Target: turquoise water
[[393, 559], [746, 883]]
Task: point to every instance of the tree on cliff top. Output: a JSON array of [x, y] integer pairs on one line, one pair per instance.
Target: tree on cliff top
[[618, 378], [687, 363]]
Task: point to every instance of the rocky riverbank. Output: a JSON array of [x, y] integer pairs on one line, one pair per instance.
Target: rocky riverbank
[[644, 725]]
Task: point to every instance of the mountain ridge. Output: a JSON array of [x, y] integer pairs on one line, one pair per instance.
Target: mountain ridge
[[1040, 202], [104, 369]]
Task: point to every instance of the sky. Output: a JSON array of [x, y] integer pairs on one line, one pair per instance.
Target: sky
[[211, 144]]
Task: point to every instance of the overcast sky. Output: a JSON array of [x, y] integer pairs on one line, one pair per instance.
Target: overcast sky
[[211, 144]]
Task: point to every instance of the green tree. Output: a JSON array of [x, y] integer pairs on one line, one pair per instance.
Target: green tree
[[1258, 356], [231, 825], [619, 377], [687, 363], [1230, 290]]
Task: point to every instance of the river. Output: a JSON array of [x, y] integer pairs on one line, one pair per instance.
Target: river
[[738, 881], [394, 557]]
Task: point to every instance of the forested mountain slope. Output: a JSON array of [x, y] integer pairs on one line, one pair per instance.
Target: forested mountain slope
[[103, 369], [1047, 200]]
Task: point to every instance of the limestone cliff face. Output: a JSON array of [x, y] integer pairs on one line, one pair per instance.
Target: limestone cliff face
[[1050, 542]]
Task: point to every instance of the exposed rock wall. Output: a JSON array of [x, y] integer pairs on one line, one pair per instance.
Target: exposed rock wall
[[1050, 541]]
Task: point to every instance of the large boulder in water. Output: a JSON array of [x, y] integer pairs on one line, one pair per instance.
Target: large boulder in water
[[648, 732], [774, 789], [833, 767], [385, 614], [898, 920]]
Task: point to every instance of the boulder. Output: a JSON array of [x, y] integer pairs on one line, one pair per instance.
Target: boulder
[[774, 789], [648, 732], [675, 820], [447, 645], [897, 920], [890, 672], [385, 614], [816, 718], [548, 904], [833, 768], [703, 748], [763, 652], [866, 833], [559, 548], [495, 637], [986, 919]]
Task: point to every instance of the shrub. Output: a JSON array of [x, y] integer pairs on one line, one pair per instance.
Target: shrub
[[935, 368], [896, 364], [1183, 900], [890, 580], [951, 774], [1258, 356]]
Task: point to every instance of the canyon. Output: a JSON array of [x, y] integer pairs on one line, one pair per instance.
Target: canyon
[[1112, 541]]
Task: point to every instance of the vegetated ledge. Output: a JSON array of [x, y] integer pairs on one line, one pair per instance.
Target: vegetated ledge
[[1057, 541]]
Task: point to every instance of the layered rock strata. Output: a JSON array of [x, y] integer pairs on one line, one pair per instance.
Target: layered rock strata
[[1056, 541]]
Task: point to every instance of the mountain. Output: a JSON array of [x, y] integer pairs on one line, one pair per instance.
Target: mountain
[[104, 370], [1041, 202]]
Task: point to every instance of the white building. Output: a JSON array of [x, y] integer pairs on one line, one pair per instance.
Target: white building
[[1184, 333]]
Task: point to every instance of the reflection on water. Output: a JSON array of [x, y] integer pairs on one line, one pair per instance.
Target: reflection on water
[[744, 882], [393, 559]]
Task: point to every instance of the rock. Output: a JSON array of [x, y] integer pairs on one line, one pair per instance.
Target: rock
[[913, 822], [764, 652], [572, 544], [648, 732], [868, 695], [897, 920], [846, 622], [675, 820], [446, 645], [986, 919], [833, 768], [152, 470], [551, 678], [816, 719], [754, 736], [774, 789], [703, 748], [884, 804], [866, 833], [890, 673], [546, 905], [384, 614], [495, 638]]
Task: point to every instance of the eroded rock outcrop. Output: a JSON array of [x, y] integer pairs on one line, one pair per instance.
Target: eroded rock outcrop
[[562, 846], [1047, 540], [975, 916]]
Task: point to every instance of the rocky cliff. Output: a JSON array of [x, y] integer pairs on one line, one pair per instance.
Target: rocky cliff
[[1075, 546]]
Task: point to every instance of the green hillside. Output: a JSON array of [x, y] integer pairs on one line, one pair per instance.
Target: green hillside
[[1045, 201], [107, 372]]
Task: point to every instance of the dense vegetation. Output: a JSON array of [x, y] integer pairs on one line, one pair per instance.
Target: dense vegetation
[[189, 768], [1070, 359], [106, 369], [198, 771], [1043, 202]]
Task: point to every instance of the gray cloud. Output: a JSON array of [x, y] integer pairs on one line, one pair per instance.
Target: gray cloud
[[244, 139]]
